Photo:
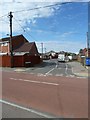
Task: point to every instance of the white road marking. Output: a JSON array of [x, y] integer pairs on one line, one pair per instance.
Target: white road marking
[[49, 71], [67, 76], [66, 70], [59, 75], [40, 74], [49, 74], [81, 77], [19, 70], [27, 109], [35, 81], [72, 70], [71, 75], [56, 65]]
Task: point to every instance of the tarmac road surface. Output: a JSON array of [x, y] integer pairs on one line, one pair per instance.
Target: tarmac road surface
[[60, 96], [54, 68]]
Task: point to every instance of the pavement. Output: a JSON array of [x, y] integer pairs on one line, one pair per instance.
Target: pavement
[[13, 111], [80, 70]]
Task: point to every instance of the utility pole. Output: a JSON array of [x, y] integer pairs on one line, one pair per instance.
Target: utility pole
[[45, 50], [87, 45], [10, 42], [42, 49]]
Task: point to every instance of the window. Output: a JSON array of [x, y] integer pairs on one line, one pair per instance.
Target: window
[[4, 44]]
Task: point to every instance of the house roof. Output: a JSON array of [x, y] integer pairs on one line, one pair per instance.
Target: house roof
[[13, 38], [26, 47], [21, 44]]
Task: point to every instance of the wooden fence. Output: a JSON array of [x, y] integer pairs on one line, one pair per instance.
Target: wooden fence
[[18, 61]]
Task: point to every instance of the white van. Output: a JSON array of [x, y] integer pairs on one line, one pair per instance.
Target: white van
[[61, 58]]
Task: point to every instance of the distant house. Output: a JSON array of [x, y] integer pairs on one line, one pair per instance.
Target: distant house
[[22, 48], [52, 54], [83, 54]]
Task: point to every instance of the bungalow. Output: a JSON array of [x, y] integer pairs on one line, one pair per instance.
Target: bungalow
[[52, 54], [23, 51]]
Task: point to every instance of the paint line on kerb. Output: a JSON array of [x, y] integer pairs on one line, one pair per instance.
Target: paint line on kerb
[[38, 82], [27, 109]]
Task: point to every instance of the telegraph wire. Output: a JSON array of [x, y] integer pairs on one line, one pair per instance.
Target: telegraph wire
[[19, 24], [46, 30], [52, 5], [36, 8], [3, 20], [58, 4], [24, 29], [3, 16]]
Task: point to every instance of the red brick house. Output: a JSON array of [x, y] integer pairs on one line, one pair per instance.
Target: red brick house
[[83, 54], [23, 51]]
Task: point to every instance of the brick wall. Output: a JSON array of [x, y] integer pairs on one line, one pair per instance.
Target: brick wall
[[4, 49]]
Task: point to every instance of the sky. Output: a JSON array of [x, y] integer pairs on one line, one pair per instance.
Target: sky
[[62, 26]]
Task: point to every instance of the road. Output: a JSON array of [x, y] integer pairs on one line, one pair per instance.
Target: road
[[52, 67], [49, 95], [48, 68]]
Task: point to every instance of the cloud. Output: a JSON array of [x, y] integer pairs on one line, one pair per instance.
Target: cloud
[[19, 1], [26, 16], [68, 33], [57, 46]]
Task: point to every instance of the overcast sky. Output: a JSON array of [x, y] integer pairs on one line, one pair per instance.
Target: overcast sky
[[60, 27]]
